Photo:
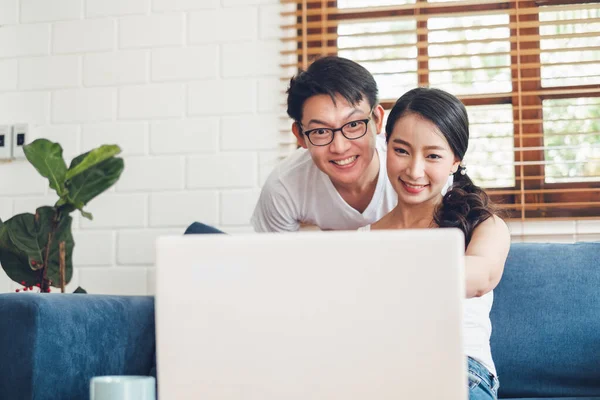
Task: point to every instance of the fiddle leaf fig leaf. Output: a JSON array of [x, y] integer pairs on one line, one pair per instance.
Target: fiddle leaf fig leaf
[[92, 158], [88, 184], [33, 237], [25, 236], [13, 263], [47, 159]]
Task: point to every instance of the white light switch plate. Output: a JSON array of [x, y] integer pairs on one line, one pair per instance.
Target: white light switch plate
[[5, 142], [20, 137]]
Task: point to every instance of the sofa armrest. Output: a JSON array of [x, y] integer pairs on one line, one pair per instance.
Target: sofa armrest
[[546, 327], [52, 344]]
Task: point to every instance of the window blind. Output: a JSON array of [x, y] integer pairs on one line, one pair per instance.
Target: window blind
[[528, 72]]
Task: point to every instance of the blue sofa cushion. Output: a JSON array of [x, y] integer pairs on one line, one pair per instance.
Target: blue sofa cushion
[[546, 322], [52, 344]]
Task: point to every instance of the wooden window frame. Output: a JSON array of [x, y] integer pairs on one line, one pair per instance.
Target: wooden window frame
[[527, 193]]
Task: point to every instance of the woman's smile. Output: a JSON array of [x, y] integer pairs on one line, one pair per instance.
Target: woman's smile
[[412, 187]]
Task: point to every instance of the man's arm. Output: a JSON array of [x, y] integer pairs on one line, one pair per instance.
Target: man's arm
[[485, 256], [275, 210]]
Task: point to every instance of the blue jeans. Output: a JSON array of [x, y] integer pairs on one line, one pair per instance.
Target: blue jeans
[[483, 385]]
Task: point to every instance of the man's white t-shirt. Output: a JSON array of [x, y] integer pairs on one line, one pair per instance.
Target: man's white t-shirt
[[297, 192]]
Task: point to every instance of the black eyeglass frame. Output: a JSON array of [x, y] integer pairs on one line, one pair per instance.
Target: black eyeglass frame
[[341, 129]]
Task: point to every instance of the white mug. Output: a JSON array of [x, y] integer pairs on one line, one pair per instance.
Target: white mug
[[120, 387]]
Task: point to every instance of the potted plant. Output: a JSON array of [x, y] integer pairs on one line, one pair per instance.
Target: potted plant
[[36, 250]]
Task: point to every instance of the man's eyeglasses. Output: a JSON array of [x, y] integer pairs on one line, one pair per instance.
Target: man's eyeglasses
[[352, 130]]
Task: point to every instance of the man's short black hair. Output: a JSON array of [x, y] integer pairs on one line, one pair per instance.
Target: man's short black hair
[[331, 75]]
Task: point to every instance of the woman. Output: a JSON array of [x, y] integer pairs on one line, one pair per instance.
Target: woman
[[427, 132]]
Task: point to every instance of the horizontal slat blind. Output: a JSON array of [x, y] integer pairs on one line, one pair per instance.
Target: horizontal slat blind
[[527, 70]]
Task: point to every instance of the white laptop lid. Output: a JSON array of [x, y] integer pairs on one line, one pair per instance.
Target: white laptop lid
[[312, 315]]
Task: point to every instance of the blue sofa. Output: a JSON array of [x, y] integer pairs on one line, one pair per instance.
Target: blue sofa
[[52, 344], [546, 322], [545, 341]]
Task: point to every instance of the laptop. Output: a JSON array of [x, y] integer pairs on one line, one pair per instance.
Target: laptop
[[311, 315]]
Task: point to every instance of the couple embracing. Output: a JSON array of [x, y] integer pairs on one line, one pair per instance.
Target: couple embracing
[[349, 176]]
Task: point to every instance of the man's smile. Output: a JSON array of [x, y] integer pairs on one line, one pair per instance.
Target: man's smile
[[345, 161]]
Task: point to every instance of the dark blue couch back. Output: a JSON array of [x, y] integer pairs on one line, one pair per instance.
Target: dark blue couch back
[[546, 321], [51, 345]]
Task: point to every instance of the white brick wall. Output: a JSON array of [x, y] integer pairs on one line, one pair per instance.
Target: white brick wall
[[8, 74], [151, 30], [24, 40], [30, 107], [208, 97], [224, 25], [152, 174], [83, 36], [230, 3], [49, 72], [67, 135], [10, 12], [188, 88], [174, 209], [136, 247], [164, 100], [83, 105], [189, 136], [55, 10], [21, 179], [131, 136], [227, 170], [107, 8], [237, 206], [174, 85], [187, 63], [28, 204], [256, 132], [94, 248], [115, 68], [183, 5], [257, 63]]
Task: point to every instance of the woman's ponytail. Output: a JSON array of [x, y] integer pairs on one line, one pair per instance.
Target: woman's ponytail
[[464, 206]]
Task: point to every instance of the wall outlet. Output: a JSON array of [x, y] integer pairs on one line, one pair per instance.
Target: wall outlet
[[5, 142], [19, 139]]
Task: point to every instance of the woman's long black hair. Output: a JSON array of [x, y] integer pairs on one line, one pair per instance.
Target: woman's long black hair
[[465, 205]]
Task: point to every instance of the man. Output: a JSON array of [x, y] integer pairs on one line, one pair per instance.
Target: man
[[338, 179]]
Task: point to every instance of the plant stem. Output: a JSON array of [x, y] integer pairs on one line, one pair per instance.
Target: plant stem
[[45, 285], [61, 258], [45, 282]]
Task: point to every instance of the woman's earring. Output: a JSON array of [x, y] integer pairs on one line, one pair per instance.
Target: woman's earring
[[463, 169]]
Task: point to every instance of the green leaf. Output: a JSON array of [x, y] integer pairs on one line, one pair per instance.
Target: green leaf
[[6, 245], [15, 266], [47, 159], [87, 215], [16, 263], [25, 235], [92, 158], [4, 238], [28, 234], [80, 290], [93, 181]]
